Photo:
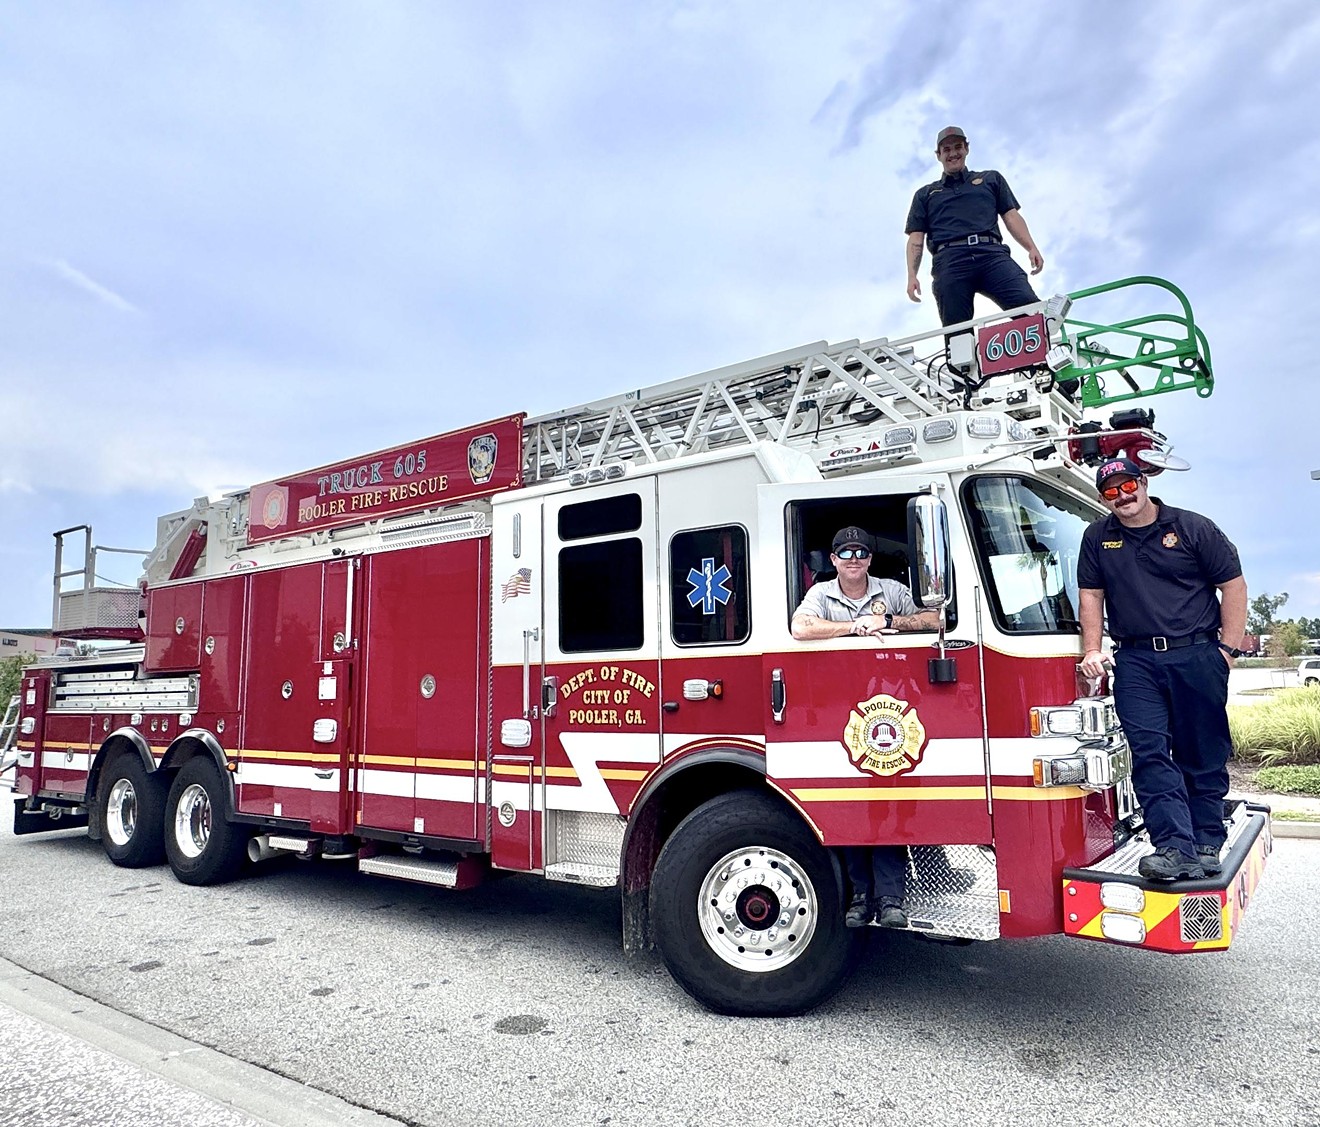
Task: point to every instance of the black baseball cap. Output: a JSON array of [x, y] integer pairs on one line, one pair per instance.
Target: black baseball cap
[[1117, 467], [852, 535], [947, 132]]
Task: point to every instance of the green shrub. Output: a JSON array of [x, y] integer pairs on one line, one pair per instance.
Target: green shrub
[[1285, 730], [1290, 780]]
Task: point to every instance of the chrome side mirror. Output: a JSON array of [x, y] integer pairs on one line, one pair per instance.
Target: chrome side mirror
[[928, 551]]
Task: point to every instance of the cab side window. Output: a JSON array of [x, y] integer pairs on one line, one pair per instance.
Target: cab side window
[[709, 592], [811, 526], [600, 583]]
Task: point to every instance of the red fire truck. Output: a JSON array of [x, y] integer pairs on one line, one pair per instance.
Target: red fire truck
[[561, 645]]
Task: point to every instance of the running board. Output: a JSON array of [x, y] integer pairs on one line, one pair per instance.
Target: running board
[[579, 872], [293, 844], [456, 873]]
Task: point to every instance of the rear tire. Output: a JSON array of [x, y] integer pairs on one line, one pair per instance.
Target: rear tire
[[132, 814], [201, 845], [747, 909]]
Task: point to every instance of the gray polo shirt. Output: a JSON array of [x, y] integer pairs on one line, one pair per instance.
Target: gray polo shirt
[[826, 601]]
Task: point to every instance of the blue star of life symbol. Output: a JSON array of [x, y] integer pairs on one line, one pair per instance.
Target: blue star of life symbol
[[708, 586]]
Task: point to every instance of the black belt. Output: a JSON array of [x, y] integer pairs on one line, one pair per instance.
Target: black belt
[[1159, 645], [968, 241]]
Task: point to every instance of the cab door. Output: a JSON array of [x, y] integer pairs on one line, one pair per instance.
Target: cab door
[[600, 731], [858, 731], [512, 775]]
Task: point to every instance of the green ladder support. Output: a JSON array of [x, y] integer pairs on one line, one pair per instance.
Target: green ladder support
[[1149, 355]]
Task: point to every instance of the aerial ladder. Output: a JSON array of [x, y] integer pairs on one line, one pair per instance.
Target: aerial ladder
[[821, 395]]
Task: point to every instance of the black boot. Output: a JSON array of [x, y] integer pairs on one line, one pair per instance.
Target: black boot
[[1170, 864], [1208, 855], [859, 912], [891, 912]]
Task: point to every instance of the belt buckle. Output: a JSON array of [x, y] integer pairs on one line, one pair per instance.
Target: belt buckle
[[1159, 645], [972, 240]]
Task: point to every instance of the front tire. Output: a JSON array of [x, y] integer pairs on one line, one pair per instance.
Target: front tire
[[747, 909], [132, 814], [201, 845]]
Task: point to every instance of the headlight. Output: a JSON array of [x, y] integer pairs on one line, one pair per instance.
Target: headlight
[[1091, 718], [1058, 770]]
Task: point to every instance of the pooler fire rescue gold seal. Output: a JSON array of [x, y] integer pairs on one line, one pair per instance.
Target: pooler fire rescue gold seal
[[884, 737]]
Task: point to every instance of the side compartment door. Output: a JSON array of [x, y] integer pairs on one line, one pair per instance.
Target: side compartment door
[[857, 732], [331, 811], [424, 643], [279, 706]]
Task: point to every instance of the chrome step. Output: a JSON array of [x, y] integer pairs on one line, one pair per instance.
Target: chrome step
[[443, 873], [579, 872], [292, 844]]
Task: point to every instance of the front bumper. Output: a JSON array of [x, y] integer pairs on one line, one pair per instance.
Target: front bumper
[[1109, 901]]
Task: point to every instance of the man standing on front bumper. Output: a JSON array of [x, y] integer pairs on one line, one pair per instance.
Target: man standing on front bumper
[[958, 216], [1157, 569]]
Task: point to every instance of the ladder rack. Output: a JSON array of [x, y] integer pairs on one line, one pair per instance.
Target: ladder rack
[[816, 393], [822, 394]]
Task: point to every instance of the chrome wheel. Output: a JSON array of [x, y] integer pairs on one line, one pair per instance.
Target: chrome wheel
[[192, 821], [758, 909], [121, 812]]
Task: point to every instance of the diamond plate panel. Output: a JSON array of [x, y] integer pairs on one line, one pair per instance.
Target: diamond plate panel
[[602, 876], [101, 606], [953, 890], [585, 837], [1123, 861]]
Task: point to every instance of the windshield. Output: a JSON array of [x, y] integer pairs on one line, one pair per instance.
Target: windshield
[[1027, 535]]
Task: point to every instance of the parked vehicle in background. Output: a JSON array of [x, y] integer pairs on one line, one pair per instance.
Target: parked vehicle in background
[[1308, 671]]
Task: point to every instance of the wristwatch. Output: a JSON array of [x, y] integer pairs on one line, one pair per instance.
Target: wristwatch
[[889, 621], [1232, 651]]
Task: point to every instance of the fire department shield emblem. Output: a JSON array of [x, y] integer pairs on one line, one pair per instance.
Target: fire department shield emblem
[[275, 507], [481, 458], [884, 737], [1170, 540]]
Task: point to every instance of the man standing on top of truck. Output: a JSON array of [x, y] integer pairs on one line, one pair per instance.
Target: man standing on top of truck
[[1158, 569], [958, 216]]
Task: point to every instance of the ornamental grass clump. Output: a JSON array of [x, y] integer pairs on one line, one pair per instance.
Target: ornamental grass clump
[[1284, 730]]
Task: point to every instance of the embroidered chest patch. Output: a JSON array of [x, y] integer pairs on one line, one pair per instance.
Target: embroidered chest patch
[[1170, 540]]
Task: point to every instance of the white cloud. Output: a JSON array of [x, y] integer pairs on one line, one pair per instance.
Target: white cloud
[[81, 281]]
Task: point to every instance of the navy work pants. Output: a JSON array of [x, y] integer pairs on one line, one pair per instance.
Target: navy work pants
[[1172, 706], [959, 273], [876, 870]]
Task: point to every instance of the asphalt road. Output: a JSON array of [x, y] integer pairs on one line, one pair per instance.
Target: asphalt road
[[513, 1004]]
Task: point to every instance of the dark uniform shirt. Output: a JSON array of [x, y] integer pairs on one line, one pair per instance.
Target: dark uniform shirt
[[953, 207], [1160, 580]]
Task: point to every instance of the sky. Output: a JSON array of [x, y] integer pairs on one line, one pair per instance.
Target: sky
[[245, 239]]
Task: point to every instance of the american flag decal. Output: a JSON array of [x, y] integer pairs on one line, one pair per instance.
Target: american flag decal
[[519, 583]]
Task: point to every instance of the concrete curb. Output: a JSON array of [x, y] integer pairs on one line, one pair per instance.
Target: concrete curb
[[236, 1084], [1282, 828]]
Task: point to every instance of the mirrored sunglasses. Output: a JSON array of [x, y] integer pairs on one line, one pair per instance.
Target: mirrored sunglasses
[[853, 553], [1111, 492]]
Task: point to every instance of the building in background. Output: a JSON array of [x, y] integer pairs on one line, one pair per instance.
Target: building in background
[[17, 642]]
